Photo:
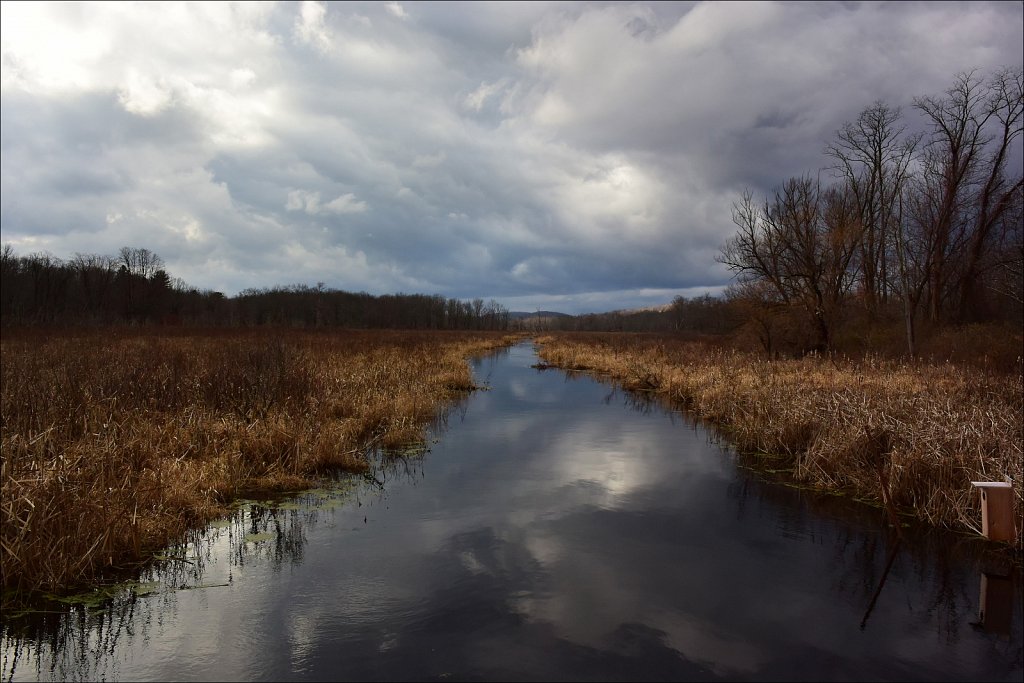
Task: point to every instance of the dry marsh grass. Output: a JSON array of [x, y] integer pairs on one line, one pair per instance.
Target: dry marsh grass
[[915, 433], [115, 443]]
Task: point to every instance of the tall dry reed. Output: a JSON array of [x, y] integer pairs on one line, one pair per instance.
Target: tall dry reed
[[115, 443], [915, 433]]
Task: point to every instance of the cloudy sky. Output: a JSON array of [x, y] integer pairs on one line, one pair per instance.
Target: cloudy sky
[[568, 156]]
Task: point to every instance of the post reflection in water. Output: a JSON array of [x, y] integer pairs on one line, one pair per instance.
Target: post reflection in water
[[557, 529], [996, 604]]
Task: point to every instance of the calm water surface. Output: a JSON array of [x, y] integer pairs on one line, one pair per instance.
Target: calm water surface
[[557, 530]]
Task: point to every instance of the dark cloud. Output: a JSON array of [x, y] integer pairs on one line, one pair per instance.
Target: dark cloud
[[585, 155]]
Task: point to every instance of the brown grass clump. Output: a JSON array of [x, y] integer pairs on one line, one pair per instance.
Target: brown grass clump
[[116, 443], [915, 432]]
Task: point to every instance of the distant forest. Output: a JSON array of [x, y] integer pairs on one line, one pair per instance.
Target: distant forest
[[134, 288]]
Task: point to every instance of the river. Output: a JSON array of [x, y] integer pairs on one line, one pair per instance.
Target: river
[[557, 529]]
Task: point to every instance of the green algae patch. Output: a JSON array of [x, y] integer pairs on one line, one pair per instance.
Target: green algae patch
[[146, 588], [204, 585], [98, 596], [412, 449], [169, 558]]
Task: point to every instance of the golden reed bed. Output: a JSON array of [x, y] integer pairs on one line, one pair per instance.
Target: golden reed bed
[[116, 442]]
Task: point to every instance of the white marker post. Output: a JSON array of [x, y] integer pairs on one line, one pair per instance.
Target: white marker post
[[997, 510]]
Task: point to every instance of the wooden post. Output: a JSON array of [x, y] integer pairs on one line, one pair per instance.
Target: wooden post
[[997, 522]]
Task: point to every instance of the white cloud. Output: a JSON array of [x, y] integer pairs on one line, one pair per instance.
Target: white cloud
[[301, 200], [309, 202], [346, 203], [476, 99], [396, 10], [310, 27], [143, 93], [242, 78]]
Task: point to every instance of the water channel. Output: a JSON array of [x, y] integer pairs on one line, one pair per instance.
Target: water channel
[[557, 529]]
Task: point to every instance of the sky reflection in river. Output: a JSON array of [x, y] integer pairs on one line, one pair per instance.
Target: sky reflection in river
[[559, 529]]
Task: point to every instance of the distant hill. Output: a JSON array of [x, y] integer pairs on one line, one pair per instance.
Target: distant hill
[[520, 315], [662, 308]]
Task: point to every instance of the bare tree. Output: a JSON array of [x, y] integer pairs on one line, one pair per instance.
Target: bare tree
[[95, 274], [873, 155], [968, 189], [140, 262], [1008, 270], [802, 245], [136, 267]]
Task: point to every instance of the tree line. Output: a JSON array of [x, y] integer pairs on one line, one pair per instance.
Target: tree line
[[920, 223], [703, 314], [133, 287]]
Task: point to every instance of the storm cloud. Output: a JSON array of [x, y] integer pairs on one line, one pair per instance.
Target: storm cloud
[[568, 156]]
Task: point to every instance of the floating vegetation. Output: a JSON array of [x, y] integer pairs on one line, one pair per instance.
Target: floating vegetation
[[93, 598], [100, 595], [413, 449], [147, 588], [172, 558]]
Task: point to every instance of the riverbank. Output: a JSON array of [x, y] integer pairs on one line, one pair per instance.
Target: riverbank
[[116, 442], [914, 434]]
